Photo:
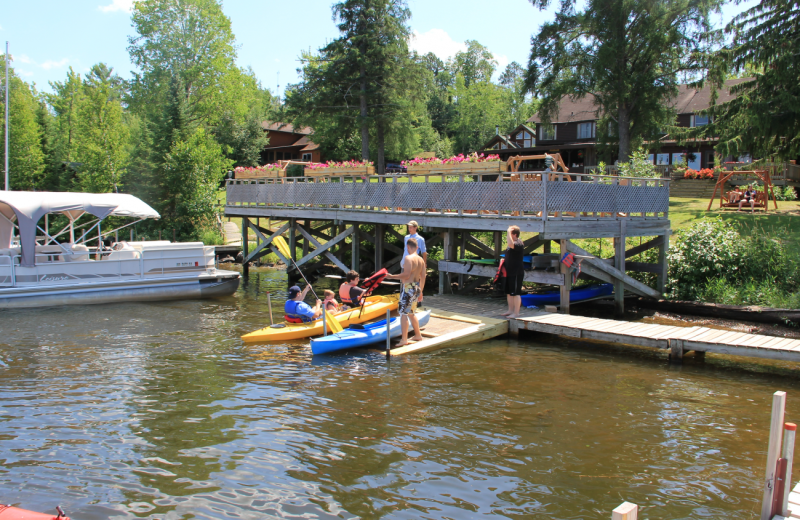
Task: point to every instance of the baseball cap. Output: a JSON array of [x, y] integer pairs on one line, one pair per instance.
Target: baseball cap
[[294, 291]]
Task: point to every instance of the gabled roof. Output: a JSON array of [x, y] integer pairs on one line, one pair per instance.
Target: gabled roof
[[689, 101], [275, 126], [499, 138]]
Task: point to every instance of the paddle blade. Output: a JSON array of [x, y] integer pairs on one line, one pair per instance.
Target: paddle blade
[[333, 323], [282, 246]]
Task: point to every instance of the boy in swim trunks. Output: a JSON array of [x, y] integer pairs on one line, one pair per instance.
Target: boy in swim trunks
[[413, 280]]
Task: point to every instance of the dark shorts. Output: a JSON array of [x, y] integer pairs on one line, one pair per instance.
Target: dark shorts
[[514, 284]]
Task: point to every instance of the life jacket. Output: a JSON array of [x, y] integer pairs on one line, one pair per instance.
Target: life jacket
[[291, 315], [501, 271], [325, 304], [372, 283], [568, 259], [344, 293]]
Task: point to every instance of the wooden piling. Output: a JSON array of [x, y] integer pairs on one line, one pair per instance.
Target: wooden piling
[[789, 431], [355, 251], [567, 281], [245, 229], [676, 347], [775, 428], [619, 286], [625, 511]]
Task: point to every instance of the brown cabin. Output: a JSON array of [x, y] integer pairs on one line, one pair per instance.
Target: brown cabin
[[573, 133], [289, 143]]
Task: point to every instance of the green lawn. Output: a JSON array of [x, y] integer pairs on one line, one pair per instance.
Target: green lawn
[[783, 223]]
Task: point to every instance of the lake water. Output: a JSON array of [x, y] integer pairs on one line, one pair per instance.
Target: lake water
[[160, 411]]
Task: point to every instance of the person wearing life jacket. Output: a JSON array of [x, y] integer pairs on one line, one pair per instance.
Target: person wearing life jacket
[[296, 309], [330, 303], [349, 291]]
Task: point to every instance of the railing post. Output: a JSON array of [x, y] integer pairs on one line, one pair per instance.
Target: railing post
[[544, 196]]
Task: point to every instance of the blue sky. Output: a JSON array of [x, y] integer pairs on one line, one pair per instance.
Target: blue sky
[[48, 36]]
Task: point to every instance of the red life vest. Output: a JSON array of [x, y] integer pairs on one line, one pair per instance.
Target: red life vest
[[501, 271], [372, 283]]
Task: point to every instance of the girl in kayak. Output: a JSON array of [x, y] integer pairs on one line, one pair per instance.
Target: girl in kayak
[[330, 303]]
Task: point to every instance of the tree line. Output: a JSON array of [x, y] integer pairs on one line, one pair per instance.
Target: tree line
[[189, 113]]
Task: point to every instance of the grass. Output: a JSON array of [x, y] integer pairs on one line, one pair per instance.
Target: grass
[[783, 223]]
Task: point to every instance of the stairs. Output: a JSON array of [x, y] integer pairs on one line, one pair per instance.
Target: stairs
[[691, 188]]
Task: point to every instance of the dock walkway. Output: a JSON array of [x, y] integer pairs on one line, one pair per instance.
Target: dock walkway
[[677, 339]]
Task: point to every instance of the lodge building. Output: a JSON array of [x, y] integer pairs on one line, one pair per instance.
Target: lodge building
[[573, 133], [287, 143]]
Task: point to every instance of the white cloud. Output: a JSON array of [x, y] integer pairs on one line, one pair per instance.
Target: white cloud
[[50, 64], [436, 41], [23, 58], [117, 5], [25, 73]]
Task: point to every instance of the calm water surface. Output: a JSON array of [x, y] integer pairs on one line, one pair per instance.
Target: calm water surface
[[160, 411]]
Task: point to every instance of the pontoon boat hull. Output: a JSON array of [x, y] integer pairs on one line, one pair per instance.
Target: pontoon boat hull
[[219, 284]]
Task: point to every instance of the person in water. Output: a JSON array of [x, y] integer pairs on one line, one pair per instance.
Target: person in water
[[413, 280], [349, 291], [330, 303], [298, 309]]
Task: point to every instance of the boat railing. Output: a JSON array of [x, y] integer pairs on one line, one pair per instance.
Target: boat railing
[[525, 195], [94, 265]]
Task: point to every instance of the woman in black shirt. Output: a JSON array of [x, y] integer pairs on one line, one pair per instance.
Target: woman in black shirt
[[515, 271]]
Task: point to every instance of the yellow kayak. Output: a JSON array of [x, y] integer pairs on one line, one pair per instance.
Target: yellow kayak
[[375, 307]]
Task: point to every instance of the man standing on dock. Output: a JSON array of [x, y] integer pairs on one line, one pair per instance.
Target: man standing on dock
[[413, 280], [422, 251]]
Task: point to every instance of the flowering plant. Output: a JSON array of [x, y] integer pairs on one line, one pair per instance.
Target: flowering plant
[[706, 173], [456, 159], [267, 168], [339, 165]]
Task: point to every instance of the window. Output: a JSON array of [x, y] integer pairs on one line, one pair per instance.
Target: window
[[547, 133], [698, 120], [693, 160], [662, 159], [525, 139], [306, 157], [586, 130], [677, 158], [651, 158]]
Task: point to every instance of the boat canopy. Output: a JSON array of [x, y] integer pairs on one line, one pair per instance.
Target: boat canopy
[[27, 207]]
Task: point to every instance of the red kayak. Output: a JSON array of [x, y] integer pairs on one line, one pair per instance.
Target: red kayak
[[15, 513]]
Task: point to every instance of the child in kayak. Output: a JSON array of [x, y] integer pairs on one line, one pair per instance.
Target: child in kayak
[[330, 303]]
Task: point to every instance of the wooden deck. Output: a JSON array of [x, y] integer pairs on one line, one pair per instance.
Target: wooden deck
[[794, 505], [677, 339]]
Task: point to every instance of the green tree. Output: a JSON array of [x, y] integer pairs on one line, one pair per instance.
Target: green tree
[[192, 171], [476, 64], [65, 103], [26, 160], [243, 142], [102, 138], [628, 54], [762, 119]]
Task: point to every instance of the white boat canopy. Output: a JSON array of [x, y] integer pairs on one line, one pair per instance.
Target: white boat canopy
[[27, 207]]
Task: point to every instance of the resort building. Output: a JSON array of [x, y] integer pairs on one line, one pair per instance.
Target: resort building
[[289, 143], [573, 133]]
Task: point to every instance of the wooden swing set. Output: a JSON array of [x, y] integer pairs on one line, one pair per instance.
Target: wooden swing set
[[761, 199]]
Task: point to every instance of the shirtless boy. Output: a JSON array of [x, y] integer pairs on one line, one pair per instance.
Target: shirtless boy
[[413, 280]]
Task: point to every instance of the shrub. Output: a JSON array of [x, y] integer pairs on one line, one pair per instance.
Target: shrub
[[211, 236], [295, 170], [639, 166]]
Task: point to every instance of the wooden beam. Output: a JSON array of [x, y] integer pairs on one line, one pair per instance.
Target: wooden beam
[[650, 244], [245, 244], [258, 252], [567, 285], [324, 249], [632, 285], [619, 264], [486, 271], [479, 248], [355, 250]]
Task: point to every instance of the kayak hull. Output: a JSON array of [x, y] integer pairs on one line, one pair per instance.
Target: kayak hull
[[371, 334], [575, 295], [15, 513], [375, 307]]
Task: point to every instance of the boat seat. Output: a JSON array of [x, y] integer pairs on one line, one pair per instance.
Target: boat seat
[[76, 248], [125, 252], [11, 251], [54, 253]]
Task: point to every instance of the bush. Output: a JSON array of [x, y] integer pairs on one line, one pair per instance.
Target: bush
[[211, 237], [295, 170], [639, 166], [785, 193], [712, 255]]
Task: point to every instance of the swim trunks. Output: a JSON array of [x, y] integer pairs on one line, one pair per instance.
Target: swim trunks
[[408, 298]]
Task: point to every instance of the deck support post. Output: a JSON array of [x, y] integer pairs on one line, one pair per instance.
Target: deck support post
[[619, 263], [663, 266], [462, 254], [307, 224], [676, 351], [292, 239], [564, 304], [498, 245], [379, 241], [447, 249], [546, 249], [355, 253], [245, 230]]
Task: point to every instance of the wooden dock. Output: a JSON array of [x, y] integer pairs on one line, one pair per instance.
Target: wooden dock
[[677, 339], [794, 505], [466, 320]]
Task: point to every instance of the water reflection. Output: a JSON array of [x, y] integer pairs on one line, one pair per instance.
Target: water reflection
[[160, 411]]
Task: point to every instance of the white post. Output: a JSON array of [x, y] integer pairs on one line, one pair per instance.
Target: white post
[[6, 111], [775, 427], [625, 511], [324, 323], [789, 431]]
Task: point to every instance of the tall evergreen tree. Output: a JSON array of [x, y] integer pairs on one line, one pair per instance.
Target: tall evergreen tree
[[629, 54], [763, 118]]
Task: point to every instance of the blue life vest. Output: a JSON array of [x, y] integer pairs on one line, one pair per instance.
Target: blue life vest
[[291, 310]]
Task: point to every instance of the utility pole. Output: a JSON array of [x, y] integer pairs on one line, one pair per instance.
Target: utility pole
[[5, 134]]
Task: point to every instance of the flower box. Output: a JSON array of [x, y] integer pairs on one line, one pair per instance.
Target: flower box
[[321, 172], [462, 167], [259, 172]]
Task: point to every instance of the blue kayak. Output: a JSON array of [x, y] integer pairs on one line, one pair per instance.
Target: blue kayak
[[575, 295], [362, 334]]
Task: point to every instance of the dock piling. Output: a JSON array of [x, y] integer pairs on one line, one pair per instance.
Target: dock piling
[[778, 409], [625, 511], [789, 431], [676, 351], [388, 335], [269, 304]]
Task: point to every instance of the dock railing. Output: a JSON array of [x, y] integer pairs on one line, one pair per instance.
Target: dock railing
[[524, 195]]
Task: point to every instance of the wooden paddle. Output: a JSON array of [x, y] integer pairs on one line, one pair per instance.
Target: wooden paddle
[[330, 320]]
